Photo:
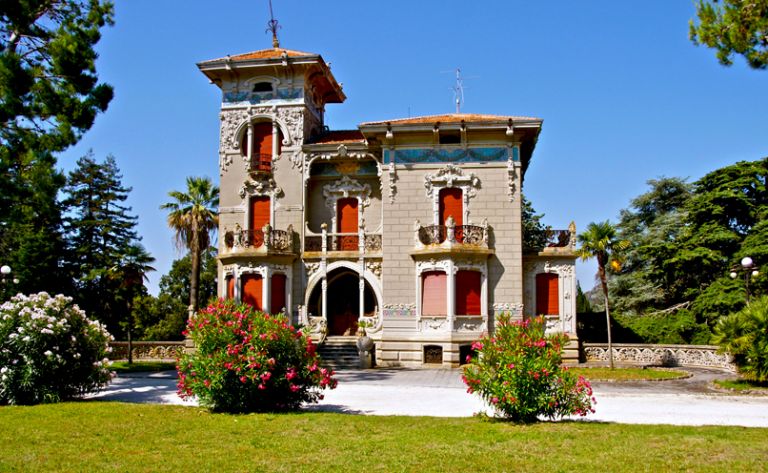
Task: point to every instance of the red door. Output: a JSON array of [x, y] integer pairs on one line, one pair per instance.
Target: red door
[[260, 213], [346, 222], [277, 293], [433, 293], [547, 296], [230, 287], [468, 293], [252, 295], [451, 205]]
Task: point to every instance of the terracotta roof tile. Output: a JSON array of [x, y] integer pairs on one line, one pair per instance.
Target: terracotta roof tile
[[449, 118], [338, 137], [274, 53]]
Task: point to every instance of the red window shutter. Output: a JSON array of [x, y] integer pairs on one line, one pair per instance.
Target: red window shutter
[[547, 294], [230, 287], [260, 212], [346, 222], [252, 295], [277, 293], [468, 293], [451, 205], [262, 139], [433, 293]]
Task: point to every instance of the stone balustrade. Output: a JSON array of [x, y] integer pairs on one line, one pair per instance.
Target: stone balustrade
[[703, 356], [147, 351]]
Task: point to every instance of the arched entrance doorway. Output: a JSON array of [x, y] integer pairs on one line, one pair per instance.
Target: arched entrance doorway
[[343, 299]]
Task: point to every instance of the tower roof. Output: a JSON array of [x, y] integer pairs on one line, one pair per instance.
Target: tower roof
[[250, 63]]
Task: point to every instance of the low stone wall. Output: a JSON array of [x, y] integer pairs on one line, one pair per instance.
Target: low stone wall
[[704, 356], [147, 351]]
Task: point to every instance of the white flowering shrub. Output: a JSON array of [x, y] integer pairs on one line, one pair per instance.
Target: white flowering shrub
[[49, 350]]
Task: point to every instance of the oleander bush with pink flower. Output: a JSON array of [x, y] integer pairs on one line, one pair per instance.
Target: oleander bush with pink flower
[[249, 361], [518, 372], [49, 350]]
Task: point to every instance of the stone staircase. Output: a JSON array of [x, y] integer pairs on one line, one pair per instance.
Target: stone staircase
[[339, 352]]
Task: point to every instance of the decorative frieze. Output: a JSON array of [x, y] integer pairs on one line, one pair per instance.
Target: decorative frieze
[[399, 310]]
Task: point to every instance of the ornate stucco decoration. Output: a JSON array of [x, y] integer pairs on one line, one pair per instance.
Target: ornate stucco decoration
[[451, 176], [312, 268], [514, 308], [392, 182], [265, 186], [434, 265], [374, 267], [343, 188]]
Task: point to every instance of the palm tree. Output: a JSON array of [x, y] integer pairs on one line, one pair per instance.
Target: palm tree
[[193, 215], [131, 271], [599, 241]]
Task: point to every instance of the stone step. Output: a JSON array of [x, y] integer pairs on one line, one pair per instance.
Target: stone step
[[339, 352]]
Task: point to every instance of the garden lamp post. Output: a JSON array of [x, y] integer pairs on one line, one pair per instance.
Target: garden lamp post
[[5, 274], [749, 269]]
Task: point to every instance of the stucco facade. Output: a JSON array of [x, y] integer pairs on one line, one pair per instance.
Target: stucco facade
[[410, 225]]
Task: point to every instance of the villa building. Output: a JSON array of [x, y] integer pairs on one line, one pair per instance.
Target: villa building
[[410, 225]]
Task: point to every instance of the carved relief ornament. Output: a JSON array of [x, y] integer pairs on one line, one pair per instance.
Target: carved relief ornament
[[451, 176]]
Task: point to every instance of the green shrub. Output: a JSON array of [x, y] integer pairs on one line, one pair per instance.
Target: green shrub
[[517, 371], [745, 336], [49, 350], [679, 328], [249, 361]]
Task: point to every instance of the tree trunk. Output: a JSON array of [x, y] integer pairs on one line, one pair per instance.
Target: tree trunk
[[604, 286], [130, 338], [194, 278]]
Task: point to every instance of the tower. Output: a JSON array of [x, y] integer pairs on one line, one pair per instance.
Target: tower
[[273, 101]]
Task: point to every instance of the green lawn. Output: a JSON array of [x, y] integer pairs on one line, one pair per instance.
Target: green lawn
[[742, 385], [628, 374], [101, 436], [136, 366]]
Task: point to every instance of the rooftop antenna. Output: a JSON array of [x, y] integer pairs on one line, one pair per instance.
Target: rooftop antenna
[[458, 91], [273, 27]]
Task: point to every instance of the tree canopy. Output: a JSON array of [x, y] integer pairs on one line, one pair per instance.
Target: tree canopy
[[685, 238], [733, 27], [49, 96]]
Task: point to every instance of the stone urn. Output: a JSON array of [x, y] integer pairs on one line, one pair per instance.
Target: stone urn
[[364, 346]]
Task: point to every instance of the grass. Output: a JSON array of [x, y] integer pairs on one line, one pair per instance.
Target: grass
[[628, 374], [103, 436], [743, 385], [124, 367]]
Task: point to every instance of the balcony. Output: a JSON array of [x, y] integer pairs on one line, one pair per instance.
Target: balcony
[[555, 242], [261, 164], [341, 243], [259, 242], [448, 238]]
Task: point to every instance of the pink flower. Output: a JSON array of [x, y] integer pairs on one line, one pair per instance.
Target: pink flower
[[294, 388], [477, 346], [243, 379], [494, 400], [290, 374]]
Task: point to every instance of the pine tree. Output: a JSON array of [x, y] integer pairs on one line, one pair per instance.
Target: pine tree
[[100, 231]]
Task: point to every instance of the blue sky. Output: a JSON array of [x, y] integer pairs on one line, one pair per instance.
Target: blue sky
[[624, 95]]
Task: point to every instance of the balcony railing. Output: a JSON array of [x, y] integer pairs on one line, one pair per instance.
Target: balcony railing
[[449, 235], [326, 241], [554, 240], [266, 239], [261, 163]]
